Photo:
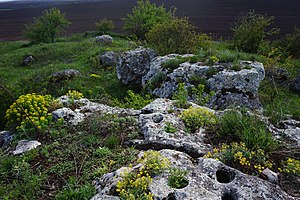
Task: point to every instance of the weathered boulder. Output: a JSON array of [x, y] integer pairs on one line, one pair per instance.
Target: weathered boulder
[[108, 59], [68, 115], [295, 85], [5, 138], [27, 60], [134, 64], [104, 39], [25, 145], [207, 179], [154, 119], [232, 87], [64, 75]]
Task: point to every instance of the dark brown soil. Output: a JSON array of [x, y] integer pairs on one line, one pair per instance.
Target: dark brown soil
[[211, 16]]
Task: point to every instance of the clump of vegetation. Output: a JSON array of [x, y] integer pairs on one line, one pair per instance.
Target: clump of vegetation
[[157, 80], [46, 27], [181, 97], [175, 36], [235, 126], [177, 178], [104, 25], [134, 100], [169, 128], [199, 96], [196, 117], [134, 184], [212, 60], [144, 17], [29, 112], [74, 95], [174, 63], [237, 155], [290, 167], [250, 30], [290, 43]]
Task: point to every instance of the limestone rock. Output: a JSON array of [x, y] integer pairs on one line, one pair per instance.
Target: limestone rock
[[28, 60], [108, 59], [208, 179], [134, 64], [69, 116], [25, 145], [64, 75], [104, 39], [5, 138], [153, 121]]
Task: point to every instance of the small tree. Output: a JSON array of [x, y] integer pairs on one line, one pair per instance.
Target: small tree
[[46, 27], [250, 30], [144, 16], [104, 25], [174, 36]]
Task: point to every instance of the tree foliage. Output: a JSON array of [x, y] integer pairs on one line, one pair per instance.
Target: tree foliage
[[46, 27], [250, 30], [104, 25], [174, 36], [144, 16]]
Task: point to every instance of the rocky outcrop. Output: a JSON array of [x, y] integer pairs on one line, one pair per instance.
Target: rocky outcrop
[[207, 179], [104, 39], [64, 75], [154, 119], [108, 59], [85, 108], [134, 64], [25, 145]]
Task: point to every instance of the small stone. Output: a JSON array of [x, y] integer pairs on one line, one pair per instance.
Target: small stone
[[104, 39], [64, 75], [270, 176], [27, 60], [5, 138], [25, 145]]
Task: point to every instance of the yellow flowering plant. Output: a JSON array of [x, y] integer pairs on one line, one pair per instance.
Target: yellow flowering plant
[[95, 76], [290, 167], [237, 155], [196, 117], [75, 95], [134, 185], [29, 111]]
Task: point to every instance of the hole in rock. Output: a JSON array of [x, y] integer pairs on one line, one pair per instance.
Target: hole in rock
[[225, 175], [228, 196], [170, 196]]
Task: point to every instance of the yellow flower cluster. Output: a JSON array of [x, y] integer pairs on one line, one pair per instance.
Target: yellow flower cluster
[[239, 156], [134, 185], [73, 94], [28, 109], [291, 166], [96, 76], [196, 117], [154, 162]]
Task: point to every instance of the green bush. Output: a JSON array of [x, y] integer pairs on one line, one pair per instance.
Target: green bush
[[181, 97], [47, 27], [174, 63], [177, 178], [169, 128], [235, 126], [135, 101], [196, 117], [104, 25], [175, 36], [291, 43], [144, 16], [250, 30]]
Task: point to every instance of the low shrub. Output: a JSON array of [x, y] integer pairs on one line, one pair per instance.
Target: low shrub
[[175, 36], [169, 128], [177, 178], [199, 96], [144, 16], [196, 117], [250, 30], [134, 100], [181, 97], [212, 60], [235, 126], [291, 42], [174, 63], [29, 111], [237, 155], [104, 25]]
